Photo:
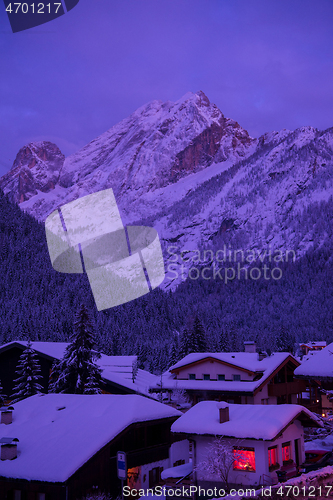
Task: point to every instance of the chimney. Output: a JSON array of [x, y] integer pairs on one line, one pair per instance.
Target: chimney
[[8, 448], [224, 414], [262, 355], [6, 415], [250, 346]]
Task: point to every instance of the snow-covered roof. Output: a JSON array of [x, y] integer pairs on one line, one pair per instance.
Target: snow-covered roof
[[178, 471], [245, 360], [115, 369], [319, 365], [315, 343], [58, 433], [245, 421], [53, 350]]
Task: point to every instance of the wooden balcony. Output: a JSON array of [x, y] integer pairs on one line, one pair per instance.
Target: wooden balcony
[[314, 407], [295, 387]]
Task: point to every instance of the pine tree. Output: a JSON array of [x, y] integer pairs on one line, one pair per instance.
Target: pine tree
[[77, 372], [193, 338], [198, 336], [184, 343], [223, 342], [174, 353], [235, 340], [91, 386], [28, 371], [284, 341]]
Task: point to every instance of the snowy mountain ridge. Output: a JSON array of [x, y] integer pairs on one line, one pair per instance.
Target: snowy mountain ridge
[[196, 176]]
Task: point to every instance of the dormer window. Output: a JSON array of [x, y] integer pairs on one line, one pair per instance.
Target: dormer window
[[221, 377], [236, 378], [191, 376], [206, 376]]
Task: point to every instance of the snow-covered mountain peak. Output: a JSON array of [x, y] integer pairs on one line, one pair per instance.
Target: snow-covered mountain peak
[[36, 168], [193, 174], [158, 145]]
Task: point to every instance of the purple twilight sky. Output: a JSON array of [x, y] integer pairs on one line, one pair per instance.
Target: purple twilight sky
[[266, 64]]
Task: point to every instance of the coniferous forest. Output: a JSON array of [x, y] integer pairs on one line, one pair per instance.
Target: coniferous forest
[[40, 303]]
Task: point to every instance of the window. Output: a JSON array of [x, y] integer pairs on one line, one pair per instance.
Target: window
[[221, 377], [244, 459], [273, 458], [264, 401], [155, 476], [236, 378], [40, 496], [286, 452], [191, 376], [17, 495], [206, 376]]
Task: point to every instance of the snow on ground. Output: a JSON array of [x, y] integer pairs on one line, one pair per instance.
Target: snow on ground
[[304, 481], [58, 433], [320, 443]]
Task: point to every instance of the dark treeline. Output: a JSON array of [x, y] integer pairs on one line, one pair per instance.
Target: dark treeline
[[40, 303]]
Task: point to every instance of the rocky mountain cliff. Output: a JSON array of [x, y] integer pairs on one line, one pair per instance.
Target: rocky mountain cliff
[[157, 146], [196, 176], [36, 168]]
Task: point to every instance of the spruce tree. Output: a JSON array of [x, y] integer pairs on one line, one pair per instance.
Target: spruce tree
[[174, 353], [235, 340], [77, 372], [92, 386], [284, 341], [28, 371], [184, 343], [223, 342], [193, 338], [198, 337]]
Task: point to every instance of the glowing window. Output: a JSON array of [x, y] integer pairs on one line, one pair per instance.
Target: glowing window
[[244, 459], [272, 456], [286, 452]]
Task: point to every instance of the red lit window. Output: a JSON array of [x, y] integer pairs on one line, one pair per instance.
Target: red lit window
[[244, 459], [272, 456], [286, 452]]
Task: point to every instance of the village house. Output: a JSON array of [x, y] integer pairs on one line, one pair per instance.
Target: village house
[[305, 347], [63, 446], [236, 377], [317, 370], [120, 374], [262, 440]]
